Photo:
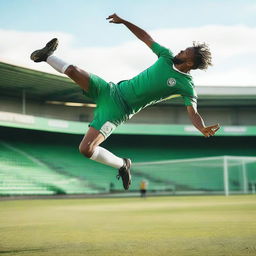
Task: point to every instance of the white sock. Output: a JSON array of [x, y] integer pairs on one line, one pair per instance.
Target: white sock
[[104, 156], [57, 64]]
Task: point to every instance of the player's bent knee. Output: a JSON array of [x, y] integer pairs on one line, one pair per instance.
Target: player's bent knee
[[87, 150], [71, 70]]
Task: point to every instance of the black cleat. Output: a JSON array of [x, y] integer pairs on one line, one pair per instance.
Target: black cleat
[[125, 173], [44, 53]]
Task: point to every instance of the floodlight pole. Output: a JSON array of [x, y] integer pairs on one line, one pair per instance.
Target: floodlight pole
[[225, 175]]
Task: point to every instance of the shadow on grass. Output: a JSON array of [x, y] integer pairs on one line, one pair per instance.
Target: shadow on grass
[[24, 250]]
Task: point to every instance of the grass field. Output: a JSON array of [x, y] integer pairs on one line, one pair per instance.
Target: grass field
[[176, 226]]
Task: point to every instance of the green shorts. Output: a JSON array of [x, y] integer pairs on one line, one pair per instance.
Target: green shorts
[[111, 109]]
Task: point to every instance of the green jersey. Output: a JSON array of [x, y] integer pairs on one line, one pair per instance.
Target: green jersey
[[118, 103], [159, 82]]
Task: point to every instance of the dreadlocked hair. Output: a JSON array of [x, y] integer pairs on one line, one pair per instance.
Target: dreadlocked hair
[[203, 57]]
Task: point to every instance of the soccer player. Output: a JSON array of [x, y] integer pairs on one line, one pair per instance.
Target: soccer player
[[116, 103]]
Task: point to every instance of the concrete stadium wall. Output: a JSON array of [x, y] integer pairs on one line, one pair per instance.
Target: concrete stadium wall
[[47, 110], [163, 114]]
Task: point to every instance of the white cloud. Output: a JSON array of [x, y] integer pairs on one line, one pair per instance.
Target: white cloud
[[233, 49]]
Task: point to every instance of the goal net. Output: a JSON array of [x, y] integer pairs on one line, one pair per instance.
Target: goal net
[[223, 174]]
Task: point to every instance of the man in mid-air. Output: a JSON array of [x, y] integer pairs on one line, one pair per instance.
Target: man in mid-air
[[116, 103]]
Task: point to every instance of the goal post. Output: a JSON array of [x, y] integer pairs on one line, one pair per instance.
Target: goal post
[[206, 175], [242, 170], [225, 175]]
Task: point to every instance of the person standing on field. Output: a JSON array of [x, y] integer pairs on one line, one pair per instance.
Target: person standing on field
[[143, 188]]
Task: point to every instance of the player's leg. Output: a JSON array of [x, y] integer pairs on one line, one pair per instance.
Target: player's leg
[[79, 76], [91, 141], [90, 148]]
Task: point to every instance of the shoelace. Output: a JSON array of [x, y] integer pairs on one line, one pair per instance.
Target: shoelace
[[118, 176]]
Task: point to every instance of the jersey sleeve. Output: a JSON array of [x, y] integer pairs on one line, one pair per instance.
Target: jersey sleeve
[[189, 101], [160, 50]]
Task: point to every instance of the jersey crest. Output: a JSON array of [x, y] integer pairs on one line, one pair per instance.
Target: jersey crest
[[171, 82]]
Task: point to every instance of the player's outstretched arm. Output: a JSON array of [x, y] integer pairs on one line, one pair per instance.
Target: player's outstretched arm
[[138, 32], [198, 122]]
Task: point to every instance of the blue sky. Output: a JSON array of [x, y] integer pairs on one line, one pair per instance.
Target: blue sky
[[86, 19], [84, 22]]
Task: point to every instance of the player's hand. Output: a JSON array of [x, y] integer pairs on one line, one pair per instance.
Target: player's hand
[[210, 130], [114, 19]]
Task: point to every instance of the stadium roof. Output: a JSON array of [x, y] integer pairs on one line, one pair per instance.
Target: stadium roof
[[42, 86], [38, 85]]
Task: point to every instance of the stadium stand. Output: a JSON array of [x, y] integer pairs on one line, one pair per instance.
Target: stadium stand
[[49, 163], [40, 132], [22, 173]]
